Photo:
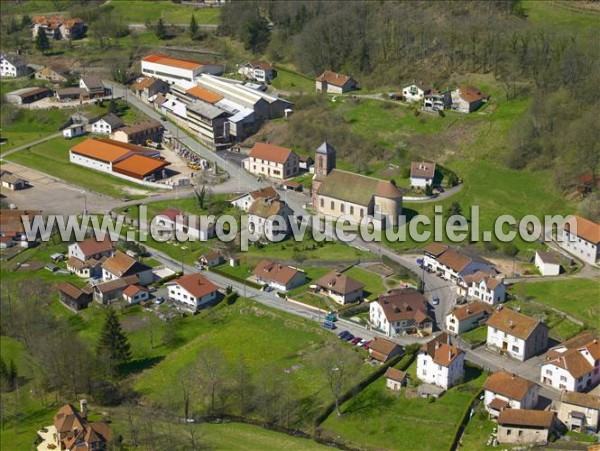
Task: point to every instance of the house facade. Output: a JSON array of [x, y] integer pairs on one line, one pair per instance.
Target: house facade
[[573, 365], [55, 73], [383, 350], [579, 411], [467, 317], [269, 219], [440, 363], [333, 83], [415, 92], [451, 264], [134, 294], [93, 86], [140, 132], [340, 288], [547, 263], [509, 391], [484, 287], [91, 248], [57, 27], [422, 174], [12, 66], [272, 161], [280, 277], [524, 426], [106, 124], [516, 335], [401, 311], [582, 240], [244, 201], [121, 265], [260, 71], [192, 292], [73, 297], [466, 99], [148, 87], [394, 379]]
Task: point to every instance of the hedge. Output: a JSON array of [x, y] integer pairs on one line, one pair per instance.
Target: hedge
[[464, 420], [258, 286]]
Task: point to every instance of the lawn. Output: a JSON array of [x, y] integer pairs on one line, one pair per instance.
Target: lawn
[[308, 249], [52, 157], [478, 430], [32, 125], [576, 297], [562, 15], [149, 11], [475, 336], [379, 419], [289, 80]]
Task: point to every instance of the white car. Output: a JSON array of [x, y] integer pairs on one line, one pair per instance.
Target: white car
[[435, 301]]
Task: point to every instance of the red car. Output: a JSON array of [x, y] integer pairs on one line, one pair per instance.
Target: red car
[[356, 340]]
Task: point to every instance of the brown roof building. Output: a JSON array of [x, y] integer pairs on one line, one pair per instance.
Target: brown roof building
[[278, 276], [382, 350], [75, 433], [341, 288], [422, 170], [504, 390], [401, 311], [332, 82], [520, 426]]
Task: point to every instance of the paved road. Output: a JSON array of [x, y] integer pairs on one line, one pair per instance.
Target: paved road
[[31, 144]]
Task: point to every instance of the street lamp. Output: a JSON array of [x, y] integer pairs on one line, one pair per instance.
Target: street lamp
[[183, 248]]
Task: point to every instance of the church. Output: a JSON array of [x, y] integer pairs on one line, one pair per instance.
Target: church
[[336, 193]]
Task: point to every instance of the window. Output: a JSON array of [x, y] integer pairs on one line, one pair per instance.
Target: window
[[508, 431], [351, 209], [563, 379], [322, 202], [342, 207], [549, 372], [520, 433], [515, 349], [332, 205]]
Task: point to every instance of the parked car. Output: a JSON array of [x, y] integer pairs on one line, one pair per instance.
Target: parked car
[[328, 325], [349, 337], [356, 340], [331, 317], [435, 301], [361, 343], [343, 334], [420, 262], [159, 300], [367, 344]]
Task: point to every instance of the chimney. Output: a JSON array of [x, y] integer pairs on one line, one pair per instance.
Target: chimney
[[83, 408], [511, 324]]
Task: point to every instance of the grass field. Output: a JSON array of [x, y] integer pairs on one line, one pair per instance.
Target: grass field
[[149, 10], [288, 80], [372, 281], [380, 419], [562, 15], [52, 157], [576, 297], [308, 249], [477, 431], [477, 335]]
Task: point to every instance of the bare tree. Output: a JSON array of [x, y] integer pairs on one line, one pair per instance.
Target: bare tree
[[211, 373]]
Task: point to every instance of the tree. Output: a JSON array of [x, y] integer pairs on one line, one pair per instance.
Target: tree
[[4, 377], [193, 27], [113, 344], [338, 365], [13, 375], [112, 106], [42, 43], [455, 209], [161, 30], [25, 21], [211, 373]]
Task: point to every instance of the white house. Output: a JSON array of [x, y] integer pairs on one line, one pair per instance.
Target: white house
[[272, 161], [583, 240], [440, 363], [579, 411], [466, 99], [74, 130], [573, 365], [93, 85], [173, 70], [509, 391], [192, 291], [270, 219], [547, 263], [401, 311], [483, 286], [415, 92], [258, 70], [421, 174], [334, 83], [340, 288], [176, 221], [107, 124], [91, 248], [134, 294], [394, 379], [121, 265], [278, 276], [516, 335], [244, 201], [452, 264], [13, 66], [467, 317]]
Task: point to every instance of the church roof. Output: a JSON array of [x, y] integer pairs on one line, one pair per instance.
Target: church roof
[[326, 149], [355, 188]]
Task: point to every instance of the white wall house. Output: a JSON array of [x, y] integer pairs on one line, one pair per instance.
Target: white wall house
[[583, 241], [106, 124], [422, 174], [451, 264], [173, 70], [278, 276], [340, 288], [12, 66], [467, 317], [547, 263], [73, 131], [334, 83], [272, 161], [270, 219], [573, 365], [508, 391], [198, 228], [192, 291], [516, 335], [258, 70], [91, 248], [579, 411], [244, 201], [134, 294], [484, 287], [415, 92], [399, 312], [440, 364]]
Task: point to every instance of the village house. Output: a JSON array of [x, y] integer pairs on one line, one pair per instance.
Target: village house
[[547, 263], [272, 161], [305, 162], [340, 288], [583, 241], [422, 174], [212, 259], [90, 268], [54, 73], [12, 66], [467, 317], [119, 159], [140, 133], [244, 201], [72, 431], [509, 391], [573, 365], [337, 193], [73, 297], [25, 96], [121, 265], [451, 264], [334, 83], [437, 101], [394, 379], [106, 124], [279, 277], [441, 363], [415, 92], [94, 86], [106, 292], [176, 221], [74, 130], [172, 70], [193, 292], [269, 219], [401, 311], [209, 121], [12, 181], [134, 294], [484, 285], [520, 426], [516, 335], [12, 228], [260, 71], [383, 350], [57, 27], [466, 99], [91, 248], [148, 87], [70, 94], [579, 411]]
